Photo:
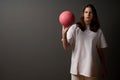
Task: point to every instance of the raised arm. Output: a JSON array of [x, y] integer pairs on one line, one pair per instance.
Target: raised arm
[[64, 38]]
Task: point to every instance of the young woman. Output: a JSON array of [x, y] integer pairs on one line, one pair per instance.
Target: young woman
[[86, 40]]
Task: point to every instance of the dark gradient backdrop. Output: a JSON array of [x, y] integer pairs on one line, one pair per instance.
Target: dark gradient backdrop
[[30, 38]]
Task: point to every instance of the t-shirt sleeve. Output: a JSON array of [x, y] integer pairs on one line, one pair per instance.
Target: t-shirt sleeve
[[101, 41], [70, 34]]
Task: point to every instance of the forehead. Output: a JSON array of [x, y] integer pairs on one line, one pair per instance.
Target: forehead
[[88, 9]]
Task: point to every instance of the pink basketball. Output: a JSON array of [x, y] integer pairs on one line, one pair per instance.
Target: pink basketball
[[66, 18]]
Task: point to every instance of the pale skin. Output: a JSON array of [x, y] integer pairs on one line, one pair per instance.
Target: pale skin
[[88, 16]]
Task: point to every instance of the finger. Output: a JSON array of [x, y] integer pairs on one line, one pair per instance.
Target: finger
[[62, 28]]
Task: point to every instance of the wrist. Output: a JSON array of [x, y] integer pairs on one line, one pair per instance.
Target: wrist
[[62, 39], [64, 36]]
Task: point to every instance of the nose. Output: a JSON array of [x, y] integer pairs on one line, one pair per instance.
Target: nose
[[88, 13]]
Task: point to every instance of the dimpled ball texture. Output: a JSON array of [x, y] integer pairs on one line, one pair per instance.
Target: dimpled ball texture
[[66, 18]]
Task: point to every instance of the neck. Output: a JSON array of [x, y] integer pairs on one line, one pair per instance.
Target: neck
[[87, 25], [87, 22]]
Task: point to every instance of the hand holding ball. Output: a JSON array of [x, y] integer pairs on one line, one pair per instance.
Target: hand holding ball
[[66, 18]]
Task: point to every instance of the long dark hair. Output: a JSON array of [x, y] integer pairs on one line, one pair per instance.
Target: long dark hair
[[94, 25]]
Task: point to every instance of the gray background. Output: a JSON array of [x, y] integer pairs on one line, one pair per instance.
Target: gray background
[[30, 38]]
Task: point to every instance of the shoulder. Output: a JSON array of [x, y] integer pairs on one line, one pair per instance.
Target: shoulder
[[99, 30], [73, 27]]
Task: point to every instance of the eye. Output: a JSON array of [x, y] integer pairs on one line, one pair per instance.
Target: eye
[[86, 12], [91, 12]]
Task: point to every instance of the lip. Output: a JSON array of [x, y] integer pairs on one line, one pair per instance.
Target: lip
[[88, 17]]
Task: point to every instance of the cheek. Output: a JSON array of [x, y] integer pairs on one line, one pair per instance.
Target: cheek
[[91, 16], [85, 15]]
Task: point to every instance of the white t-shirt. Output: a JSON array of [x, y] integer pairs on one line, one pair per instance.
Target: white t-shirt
[[84, 51]]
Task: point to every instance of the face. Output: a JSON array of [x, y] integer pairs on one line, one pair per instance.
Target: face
[[88, 15]]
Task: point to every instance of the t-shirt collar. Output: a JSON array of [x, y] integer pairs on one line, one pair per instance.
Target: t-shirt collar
[[87, 26]]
